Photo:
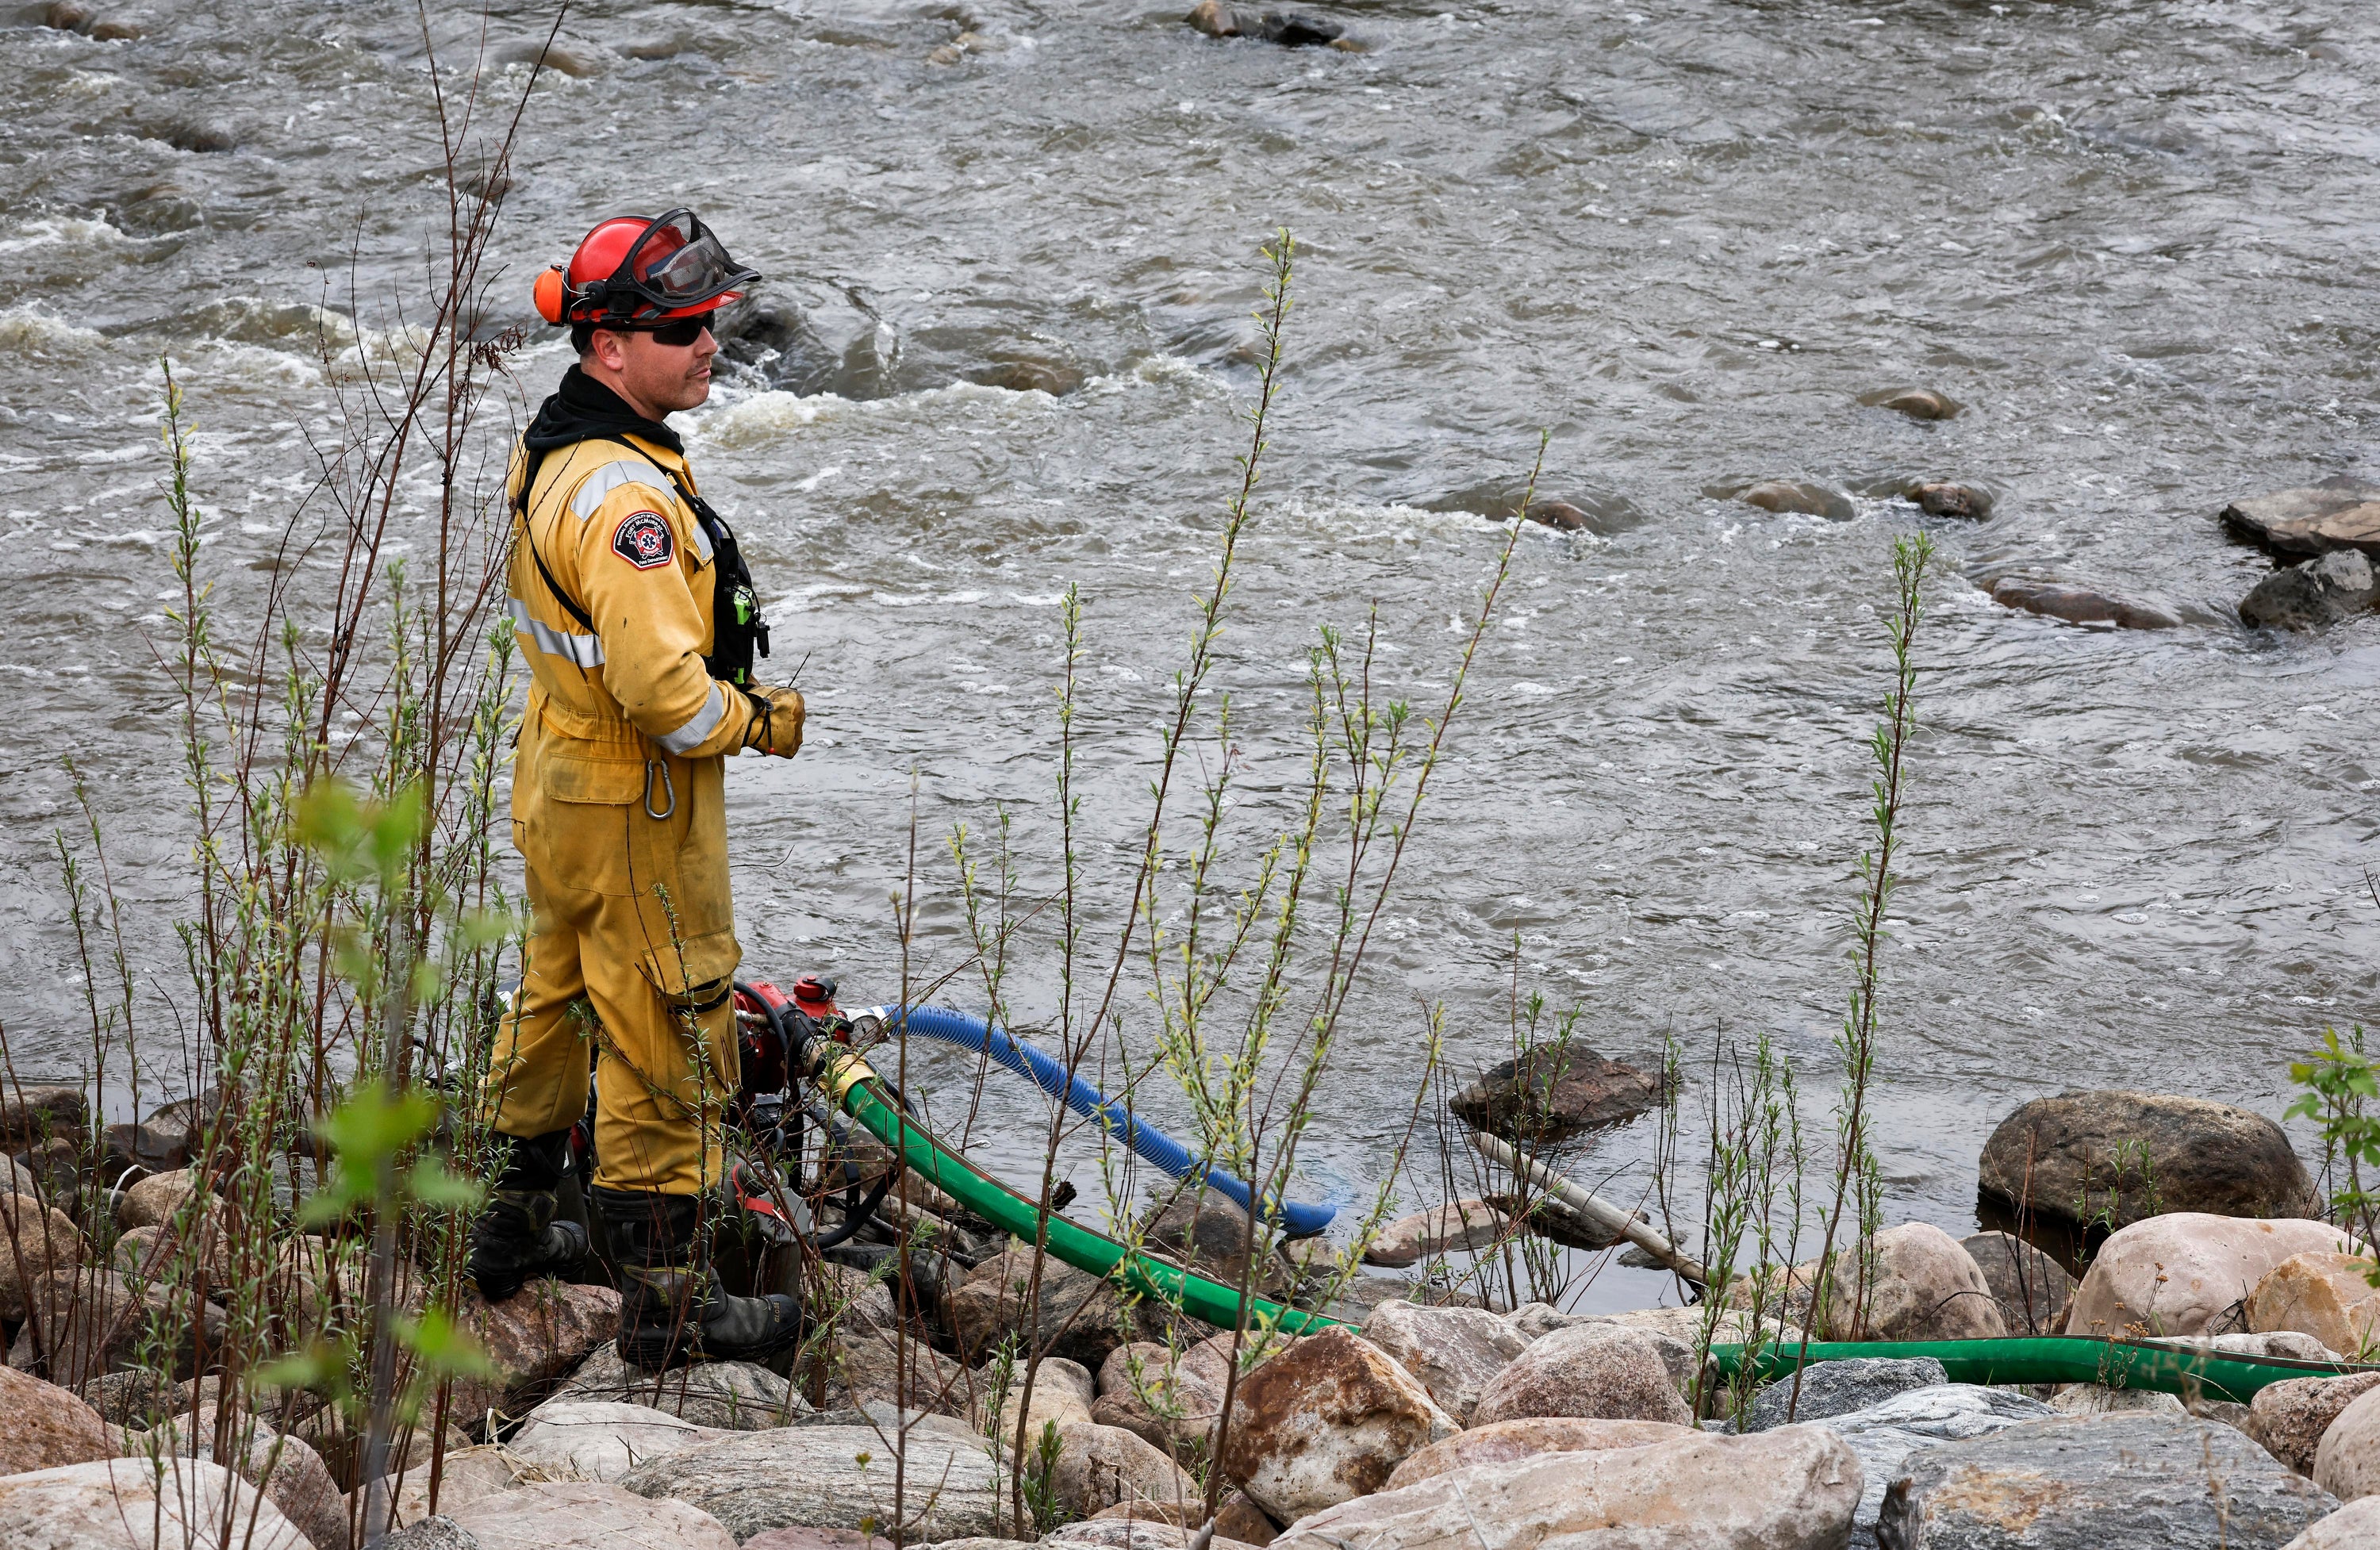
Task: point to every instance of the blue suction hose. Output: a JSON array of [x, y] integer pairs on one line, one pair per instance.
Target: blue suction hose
[[945, 1026]]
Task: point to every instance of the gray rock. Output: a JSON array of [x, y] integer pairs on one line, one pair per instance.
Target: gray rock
[[1842, 1388], [432, 1533], [1554, 1092], [124, 1504], [2126, 1156], [1885, 1433], [2308, 521], [2080, 605], [1916, 403], [1800, 496], [2030, 1288], [2310, 595], [2150, 1482], [814, 1477], [731, 1396], [1940, 498]]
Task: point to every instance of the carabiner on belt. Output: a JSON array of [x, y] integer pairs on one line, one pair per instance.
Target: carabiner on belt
[[668, 789]]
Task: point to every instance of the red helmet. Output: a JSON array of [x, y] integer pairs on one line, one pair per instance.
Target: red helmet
[[634, 272]]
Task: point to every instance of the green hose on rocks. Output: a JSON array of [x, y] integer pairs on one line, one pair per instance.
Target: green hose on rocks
[[857, 1090], [2168, 1369]]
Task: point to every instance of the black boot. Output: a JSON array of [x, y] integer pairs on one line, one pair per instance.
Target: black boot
[[517, 1238], [670, 1312]]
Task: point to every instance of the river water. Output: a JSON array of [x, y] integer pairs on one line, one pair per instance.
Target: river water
[[2131, 235]]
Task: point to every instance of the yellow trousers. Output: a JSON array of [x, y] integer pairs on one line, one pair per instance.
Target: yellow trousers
[[630, 961]]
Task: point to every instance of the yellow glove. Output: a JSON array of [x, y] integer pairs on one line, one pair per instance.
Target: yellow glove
[[776, 720]]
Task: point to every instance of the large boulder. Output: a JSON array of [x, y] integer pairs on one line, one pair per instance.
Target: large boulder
[[1079, 1315], [2355, 1526], [88, 1322], [1921, 1286], [463, 1476], [125, 1504], [2290, 1417], [534, 1339], [1167, 1400], [2188, 1273], [1801, 497], [602, 1440], [1062, 1394], [289, 1473], [1838, 1388], [2347, 1464], [2336, 514], [830, 1477], [2328, 1296], [1790, 1489], [871, 1366], [1508, 1442], [1457, 1225], [1100, 1467], [2121, 1483], [2087, 1161], [154, 1201], [1207, 1231], [1600, 1371], [1144, 1534], [1324, 1421], [43, 1426], [2312, 593], [2032, 1289], [30, 1115], [731, 1396], [586, 1515], [1454, 1351], [1554, 1092], [1885, 1434], [34, 1240]]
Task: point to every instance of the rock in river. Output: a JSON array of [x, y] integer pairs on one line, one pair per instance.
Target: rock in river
[[1940, 498], [2121, 1483], [1325, 1421], [2336, 514], [1291, 30], [2125, 1156], [1553, 1092], [2312, 594], [1459, 1223], [1800, 496], [2080, 605], [1915, 402], [1792, 1489]]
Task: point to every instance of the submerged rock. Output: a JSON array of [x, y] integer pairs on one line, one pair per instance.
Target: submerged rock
[[1790, 1489], [2188, 1273], [2308, 596], [2124, 1482], [1809, 499], [2032, 1289], [2080, 605], [1943, 499], [2336, 514], [1915, 401], [2117, 1157], [1289, 29], [2290, 1417], [1325, 1421], [1554, 1092]]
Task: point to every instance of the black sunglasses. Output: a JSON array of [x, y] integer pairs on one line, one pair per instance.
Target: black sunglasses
[[678, 332]]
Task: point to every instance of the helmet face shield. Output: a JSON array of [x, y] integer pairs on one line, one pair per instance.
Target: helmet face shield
[[674, 267]]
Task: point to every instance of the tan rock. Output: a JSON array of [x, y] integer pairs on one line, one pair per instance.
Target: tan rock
[[1168, 1401], [601, 1439], [1102, 1466], [1598, 1371], [463, 1476], [1326, 1421], [1079, 1317], [2328, 1296], [43, 1426], [1460, 1224], [1922, 1285], [864, 1365], [1507, 1442], [2355, 1526], [1454, 1351], [1793, 1488], [534, 1339], [2347, 1464], [1062, 1392], [1110, 1533], [34, 1240], [2183, 1274], [289, 1473], [124, 1504], [1236, 1516], [154, 1201], [2290, 1417], [588, 1515]]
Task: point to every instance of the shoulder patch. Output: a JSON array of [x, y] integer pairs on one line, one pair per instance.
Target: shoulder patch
[[643, 540]]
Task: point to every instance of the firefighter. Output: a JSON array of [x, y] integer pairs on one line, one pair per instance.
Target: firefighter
[[637, 619]]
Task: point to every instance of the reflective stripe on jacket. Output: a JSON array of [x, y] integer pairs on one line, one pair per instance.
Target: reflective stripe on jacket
[[622, 547]]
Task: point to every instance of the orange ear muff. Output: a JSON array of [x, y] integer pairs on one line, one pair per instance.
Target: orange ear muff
[[548, 292]]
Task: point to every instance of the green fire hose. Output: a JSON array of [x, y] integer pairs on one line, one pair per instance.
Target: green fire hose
[[856, 1089]]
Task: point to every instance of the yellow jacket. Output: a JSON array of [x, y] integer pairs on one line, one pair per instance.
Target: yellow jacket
[[623, 546]]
